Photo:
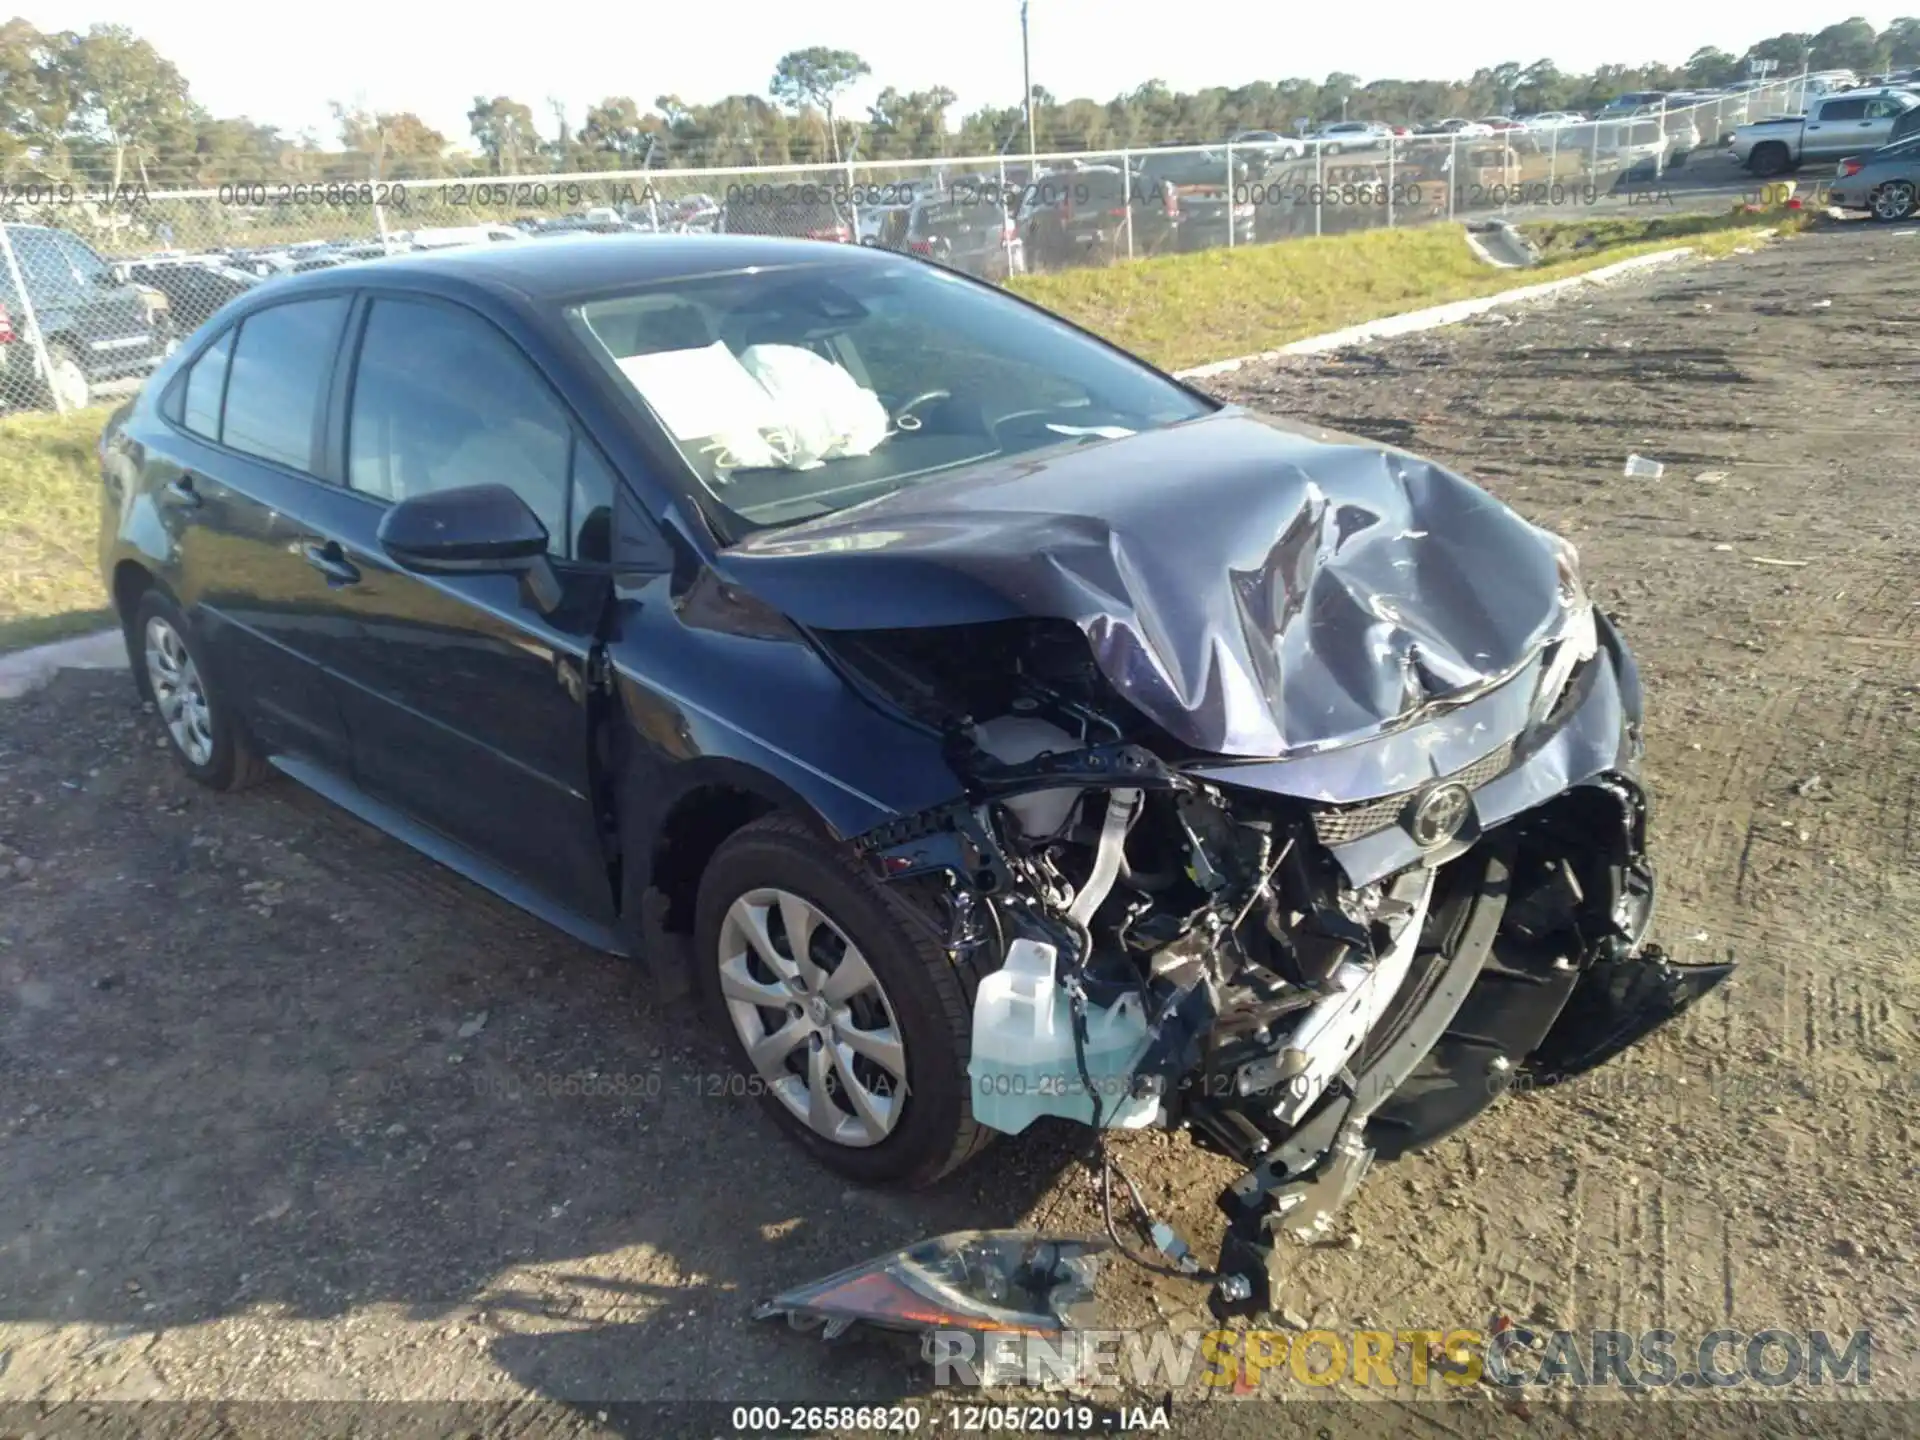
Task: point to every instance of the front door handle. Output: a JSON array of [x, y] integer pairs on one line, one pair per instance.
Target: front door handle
[[181, 492], [328, 559]]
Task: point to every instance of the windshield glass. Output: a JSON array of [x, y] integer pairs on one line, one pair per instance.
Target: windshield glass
[[795, 392]]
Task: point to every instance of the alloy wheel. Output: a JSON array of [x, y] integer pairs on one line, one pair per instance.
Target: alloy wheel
[[812, 1016], [179, 692], [1894, 200]]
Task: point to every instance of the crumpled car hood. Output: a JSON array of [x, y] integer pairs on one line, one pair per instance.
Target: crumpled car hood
[[1255, 588]]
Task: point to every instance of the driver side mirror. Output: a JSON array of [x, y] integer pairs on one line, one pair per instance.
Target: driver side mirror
[[472, 530]]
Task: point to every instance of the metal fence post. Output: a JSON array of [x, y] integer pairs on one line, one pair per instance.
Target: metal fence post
[[1553, 160], [1126, 192], [35, 339], [1010, 223], [1660, 151], [1453, 168], [1593, 164], [1319, 183], [1232, 204], [1393, 142]]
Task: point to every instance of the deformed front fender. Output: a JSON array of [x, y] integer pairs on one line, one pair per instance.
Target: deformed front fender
[[712, 684]]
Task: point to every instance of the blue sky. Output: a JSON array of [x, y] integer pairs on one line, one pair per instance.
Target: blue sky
[[434, 60]]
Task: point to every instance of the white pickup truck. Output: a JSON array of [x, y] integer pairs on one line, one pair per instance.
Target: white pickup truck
[[1852, 122]]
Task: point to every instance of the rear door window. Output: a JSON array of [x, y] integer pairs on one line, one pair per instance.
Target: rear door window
[[278, 380]]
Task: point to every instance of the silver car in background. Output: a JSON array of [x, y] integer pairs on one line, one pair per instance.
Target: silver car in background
[[1885, 184]]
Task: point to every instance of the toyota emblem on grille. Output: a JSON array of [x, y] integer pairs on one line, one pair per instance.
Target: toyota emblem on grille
[[1438, 814]]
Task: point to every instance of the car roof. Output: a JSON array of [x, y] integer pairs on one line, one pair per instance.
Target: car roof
[[567, 268]]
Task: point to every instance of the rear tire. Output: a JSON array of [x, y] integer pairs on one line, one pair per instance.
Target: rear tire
[[918, 1012], [1895, 201], [1770, 159], [200, 723]]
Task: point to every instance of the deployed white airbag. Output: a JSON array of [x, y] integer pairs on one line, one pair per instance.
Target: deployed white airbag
[[773, 405], [825, 411], [707, 395]]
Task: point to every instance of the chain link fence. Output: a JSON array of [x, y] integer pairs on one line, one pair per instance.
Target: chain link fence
[[97, 286]]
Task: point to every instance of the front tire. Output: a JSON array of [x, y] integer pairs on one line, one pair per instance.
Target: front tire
[[840, 1005], [201, 727]]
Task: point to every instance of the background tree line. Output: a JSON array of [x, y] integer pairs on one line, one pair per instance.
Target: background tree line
[[106, 108]]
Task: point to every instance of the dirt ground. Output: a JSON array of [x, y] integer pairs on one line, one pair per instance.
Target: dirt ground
[[283, 1111]]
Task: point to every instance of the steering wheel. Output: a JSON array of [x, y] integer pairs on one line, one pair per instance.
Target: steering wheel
[[905, 419], [1001, 422]]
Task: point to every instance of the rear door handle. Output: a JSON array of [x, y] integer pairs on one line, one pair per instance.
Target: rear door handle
[[181, 492], [328, 559]]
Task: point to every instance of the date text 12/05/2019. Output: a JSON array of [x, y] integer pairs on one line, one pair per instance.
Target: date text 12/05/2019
[[905, 1419]]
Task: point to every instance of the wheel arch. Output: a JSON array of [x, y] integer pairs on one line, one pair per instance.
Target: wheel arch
[[130, 581], [670, 831]]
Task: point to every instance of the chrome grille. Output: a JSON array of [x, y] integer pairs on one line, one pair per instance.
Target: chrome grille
[[1339, 824]]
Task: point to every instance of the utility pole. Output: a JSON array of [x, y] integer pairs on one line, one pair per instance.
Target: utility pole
[[1026, 75]]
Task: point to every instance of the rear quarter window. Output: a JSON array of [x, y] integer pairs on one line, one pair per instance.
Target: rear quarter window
[[205, 387]]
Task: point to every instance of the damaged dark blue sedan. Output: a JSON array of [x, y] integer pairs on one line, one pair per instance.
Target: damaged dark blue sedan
[[984, 724]]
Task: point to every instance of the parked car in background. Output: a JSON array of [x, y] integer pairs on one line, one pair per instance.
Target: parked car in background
[[1210, 200], [1554, 119], [690, 214], [1856, 122], [883, 222], [1885, 184], [448, 237], [1270, 142], [602, 220], [1501, 122], [1344, 135], [1683, 137], [1638, 145], [968, 231], [1821, 83], [1457, 126], [1213, 208], [1632, 102], [1094, 215], [262, 261], [784, 210], [195, 287], [94, 325]]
